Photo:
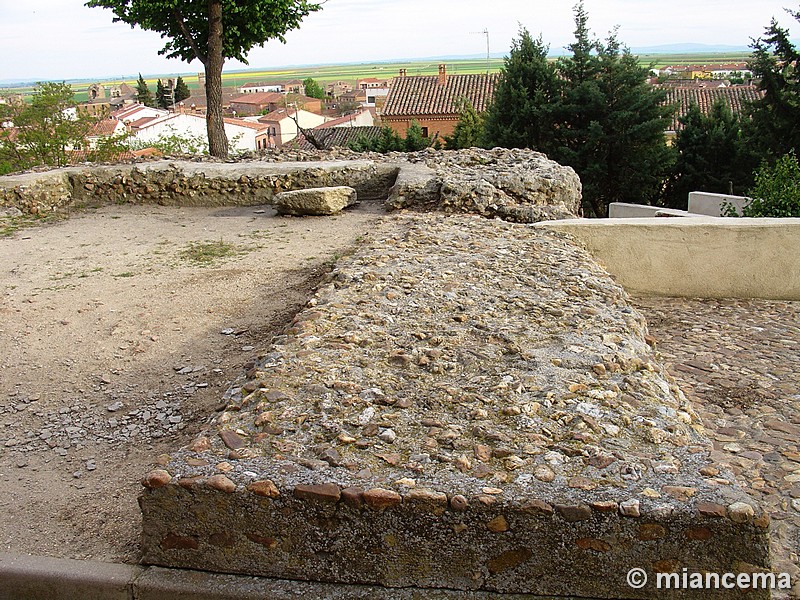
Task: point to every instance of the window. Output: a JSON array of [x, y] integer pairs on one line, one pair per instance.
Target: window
[[424, 132]]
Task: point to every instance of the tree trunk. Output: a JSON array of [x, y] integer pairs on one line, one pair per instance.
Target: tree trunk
[[217, 140]]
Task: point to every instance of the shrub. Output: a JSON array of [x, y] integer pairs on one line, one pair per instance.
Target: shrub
[[777, 189]]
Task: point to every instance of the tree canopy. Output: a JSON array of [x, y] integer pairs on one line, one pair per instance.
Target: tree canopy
[[526, 100], [469, 130], [592, 110], [143, 93], [776, 117], [45, 130], [211, 31], [712, 155], [313, 89], [182, 91]]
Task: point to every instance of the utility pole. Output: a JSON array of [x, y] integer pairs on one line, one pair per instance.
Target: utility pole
[[486, 33]]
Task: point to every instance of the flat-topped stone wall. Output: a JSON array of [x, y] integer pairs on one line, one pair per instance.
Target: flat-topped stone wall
[[517, 185], [186, 183], [466, 404]]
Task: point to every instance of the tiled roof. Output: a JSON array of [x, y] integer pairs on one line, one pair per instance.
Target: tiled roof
[[338, 136], [339, 120], [423, 95], [275, 116], [249, 124], [139, 123], [736, 97], [259, 98], [104, 127]]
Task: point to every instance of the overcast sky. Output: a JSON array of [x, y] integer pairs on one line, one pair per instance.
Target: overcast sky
[[62, 39]]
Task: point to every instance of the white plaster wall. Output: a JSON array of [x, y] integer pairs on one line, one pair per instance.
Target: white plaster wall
[[706, 203], [701, 257], [240, 138]]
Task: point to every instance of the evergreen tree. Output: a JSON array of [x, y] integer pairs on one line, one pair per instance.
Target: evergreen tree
[[162, 100], [182, 91], [776, 117], [712, 155], [387, 141], [522, 114], [313, 89], [614, 138], [143, 93], [414, 139], [593, 111], [469, 129]]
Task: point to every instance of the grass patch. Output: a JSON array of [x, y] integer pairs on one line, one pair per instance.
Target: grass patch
[[10, 225], [208, 253]]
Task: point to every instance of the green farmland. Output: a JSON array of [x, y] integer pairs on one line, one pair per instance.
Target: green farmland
[[351, 72]]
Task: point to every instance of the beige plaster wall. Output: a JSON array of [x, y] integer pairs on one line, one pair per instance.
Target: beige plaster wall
[[695, 257]]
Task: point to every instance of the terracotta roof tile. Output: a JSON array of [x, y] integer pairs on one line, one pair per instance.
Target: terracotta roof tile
[[249, 124], [423, 95], [338, 136], [104, 127], [736, 97], [259, 98]]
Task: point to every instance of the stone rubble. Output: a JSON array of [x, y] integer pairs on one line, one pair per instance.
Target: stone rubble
[[516, 185]]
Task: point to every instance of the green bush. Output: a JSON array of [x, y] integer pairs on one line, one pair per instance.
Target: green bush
[[777, 189]]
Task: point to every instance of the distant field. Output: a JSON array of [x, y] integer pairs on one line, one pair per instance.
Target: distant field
[[662, 60], [328, 73]]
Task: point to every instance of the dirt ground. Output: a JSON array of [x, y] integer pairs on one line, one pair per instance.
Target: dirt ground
[[120, 330]]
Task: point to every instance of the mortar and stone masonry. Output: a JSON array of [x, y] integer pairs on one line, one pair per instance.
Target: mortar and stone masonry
[[467, 403]]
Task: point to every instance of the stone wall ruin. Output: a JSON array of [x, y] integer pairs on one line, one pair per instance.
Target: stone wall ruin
[[467, 404]]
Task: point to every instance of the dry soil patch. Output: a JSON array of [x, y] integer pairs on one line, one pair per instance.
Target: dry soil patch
[[117, 341]]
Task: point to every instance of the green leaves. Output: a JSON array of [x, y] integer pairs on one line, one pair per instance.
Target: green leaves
[[192, 30], [313, 89], [777, 189], [185, 24], [776, 117], [45, 130], [469, 131]]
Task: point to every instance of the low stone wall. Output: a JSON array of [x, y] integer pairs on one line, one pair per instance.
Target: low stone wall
[[467, 404], [187, 183], [517, 185]]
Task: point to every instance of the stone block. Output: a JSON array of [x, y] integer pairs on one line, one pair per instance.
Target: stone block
[[315, 201]]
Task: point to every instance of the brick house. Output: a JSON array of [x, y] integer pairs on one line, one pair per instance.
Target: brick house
[[432, 100]]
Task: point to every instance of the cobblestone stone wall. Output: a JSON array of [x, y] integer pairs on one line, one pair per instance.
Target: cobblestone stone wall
[[467, 404], [517, 185]]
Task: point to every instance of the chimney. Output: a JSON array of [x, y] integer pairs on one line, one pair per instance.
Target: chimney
[[442, 74], [403, 72]]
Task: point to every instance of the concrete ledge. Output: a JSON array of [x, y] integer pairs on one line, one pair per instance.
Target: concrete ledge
[[622, 210], [701, 257], [44, 578], [35, 577]]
